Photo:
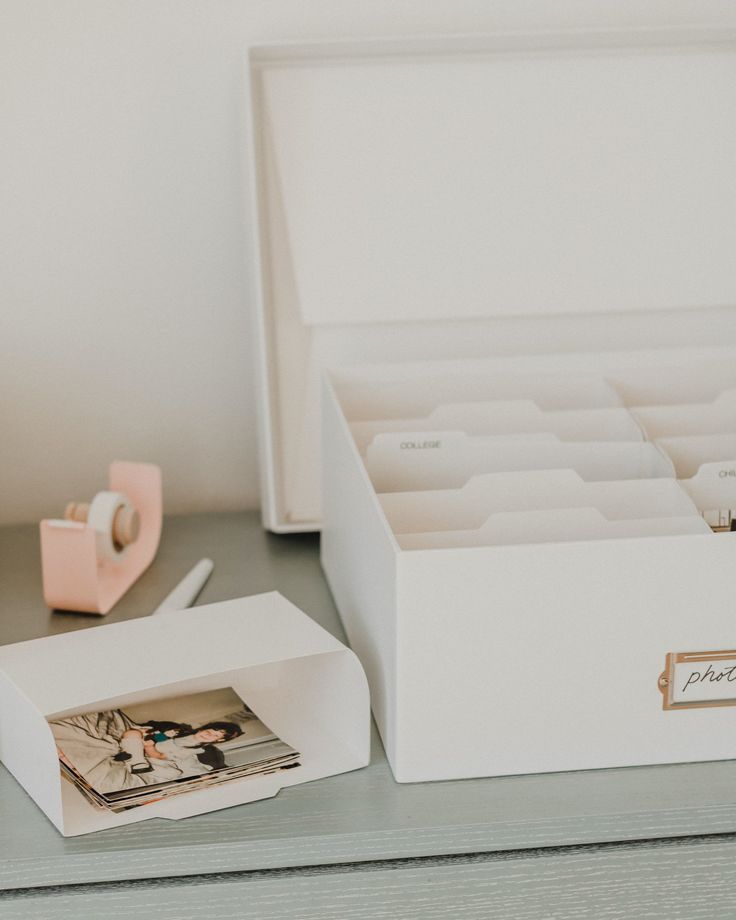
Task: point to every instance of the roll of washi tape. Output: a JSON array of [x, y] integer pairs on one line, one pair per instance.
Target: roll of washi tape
[[104, 508]]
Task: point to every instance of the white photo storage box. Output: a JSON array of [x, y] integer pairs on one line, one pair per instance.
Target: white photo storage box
[[308, 688], [511, 257]]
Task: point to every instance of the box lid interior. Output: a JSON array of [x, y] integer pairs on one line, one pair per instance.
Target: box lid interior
[[483, 196]]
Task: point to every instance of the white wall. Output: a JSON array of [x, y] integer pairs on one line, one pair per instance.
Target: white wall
[[124, 268]]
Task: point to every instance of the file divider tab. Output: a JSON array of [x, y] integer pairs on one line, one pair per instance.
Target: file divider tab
[[511, 417], [715, 417], [532, 490], [555, 526], [437, 460]]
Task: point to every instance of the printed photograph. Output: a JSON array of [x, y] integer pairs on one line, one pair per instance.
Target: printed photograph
[[123, 758]]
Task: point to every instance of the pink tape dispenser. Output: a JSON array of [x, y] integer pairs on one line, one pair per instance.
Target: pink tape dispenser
[[91, 557]]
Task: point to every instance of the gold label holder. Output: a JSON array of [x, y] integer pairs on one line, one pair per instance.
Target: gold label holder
[[696, 680]]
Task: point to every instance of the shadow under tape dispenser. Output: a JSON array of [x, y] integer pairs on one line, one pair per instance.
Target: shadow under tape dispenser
[[97, 551]]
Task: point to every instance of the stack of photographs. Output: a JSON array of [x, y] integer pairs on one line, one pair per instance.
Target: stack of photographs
[[122, 758]]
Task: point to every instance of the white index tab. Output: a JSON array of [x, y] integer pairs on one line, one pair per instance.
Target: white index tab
[[509, 417], [401, 463], [532, 490], [554, 526]]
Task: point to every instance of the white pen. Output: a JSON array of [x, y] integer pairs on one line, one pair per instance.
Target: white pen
[[186, 592]]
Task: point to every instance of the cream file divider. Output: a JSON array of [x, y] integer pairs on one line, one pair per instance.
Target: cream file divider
[[690, 452], [532, 490], [391, 398], [516, 416], [442, 460], [693, 418], [706, 468], [696, 381], [554, 526]]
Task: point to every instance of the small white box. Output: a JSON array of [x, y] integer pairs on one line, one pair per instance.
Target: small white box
[[305, 685], [447, 222]]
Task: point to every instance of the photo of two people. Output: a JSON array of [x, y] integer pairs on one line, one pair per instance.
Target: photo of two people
[[121, 758]]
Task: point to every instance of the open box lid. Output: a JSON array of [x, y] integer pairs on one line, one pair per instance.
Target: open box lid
[[484, 195]]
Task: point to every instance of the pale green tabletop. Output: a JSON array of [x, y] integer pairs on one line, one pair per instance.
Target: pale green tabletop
[[599, 843]]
